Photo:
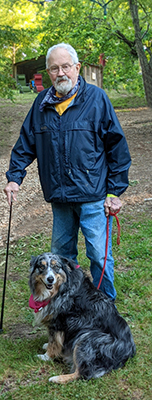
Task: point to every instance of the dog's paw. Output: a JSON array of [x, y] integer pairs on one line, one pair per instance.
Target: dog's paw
[[65, 378], [43, 357], [45, 346], [55, 379]]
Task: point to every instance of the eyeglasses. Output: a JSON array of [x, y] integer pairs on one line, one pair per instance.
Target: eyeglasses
[[65, 68]]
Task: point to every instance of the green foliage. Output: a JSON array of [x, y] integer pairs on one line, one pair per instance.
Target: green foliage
[[7, 83], [45, 79], [29, 28], [18, 38]]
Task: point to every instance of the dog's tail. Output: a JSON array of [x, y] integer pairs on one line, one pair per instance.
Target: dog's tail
[[98, 353]]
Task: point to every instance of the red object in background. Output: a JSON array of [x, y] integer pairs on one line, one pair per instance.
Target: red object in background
[[38, 82], [102, 60]]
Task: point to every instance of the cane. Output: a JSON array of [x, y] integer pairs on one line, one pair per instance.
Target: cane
[[6, 262]]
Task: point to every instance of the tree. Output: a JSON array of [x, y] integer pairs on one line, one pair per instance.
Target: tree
[[120, 29], [139, 44], [82, 24], [18, 38], [145, 61]]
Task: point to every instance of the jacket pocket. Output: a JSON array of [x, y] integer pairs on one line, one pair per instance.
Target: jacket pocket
[[43, 128], [83, 147]]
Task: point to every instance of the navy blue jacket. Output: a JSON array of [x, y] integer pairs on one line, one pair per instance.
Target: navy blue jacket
[[82, 155]]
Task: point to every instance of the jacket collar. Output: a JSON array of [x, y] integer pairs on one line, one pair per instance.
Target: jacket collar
[[51, 98], [79, 97]]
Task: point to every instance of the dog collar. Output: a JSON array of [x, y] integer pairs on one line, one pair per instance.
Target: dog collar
[[37, 305]]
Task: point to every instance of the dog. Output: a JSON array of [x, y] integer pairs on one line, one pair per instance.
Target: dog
[[84, 326]]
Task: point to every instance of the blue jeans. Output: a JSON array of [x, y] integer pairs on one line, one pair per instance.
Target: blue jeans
[[90, 217]]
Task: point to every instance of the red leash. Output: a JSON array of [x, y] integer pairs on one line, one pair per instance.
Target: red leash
[[107, 236]]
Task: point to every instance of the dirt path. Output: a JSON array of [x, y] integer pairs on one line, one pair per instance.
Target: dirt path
[[31, 214]]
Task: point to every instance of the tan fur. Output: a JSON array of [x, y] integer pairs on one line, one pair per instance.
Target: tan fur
[[59, 280], [55, 345], [68, 377], [53, 262], [44, 262], [65, 378], [39, 286]]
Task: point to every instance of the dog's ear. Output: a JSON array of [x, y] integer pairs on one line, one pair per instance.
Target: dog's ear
[[33, 263], [69, 263]]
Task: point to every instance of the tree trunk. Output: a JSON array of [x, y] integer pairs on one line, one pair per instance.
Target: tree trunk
[[145, 66]]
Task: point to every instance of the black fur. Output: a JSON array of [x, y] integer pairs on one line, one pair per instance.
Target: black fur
[[96, 338]]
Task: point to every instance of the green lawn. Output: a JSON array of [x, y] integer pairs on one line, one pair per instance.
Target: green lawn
[[120, 99], [23, 376]]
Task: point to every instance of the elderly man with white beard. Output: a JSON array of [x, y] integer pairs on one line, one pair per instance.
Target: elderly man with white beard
[[83, 160]]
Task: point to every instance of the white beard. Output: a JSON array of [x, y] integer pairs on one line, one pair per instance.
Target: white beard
[[63, 85]]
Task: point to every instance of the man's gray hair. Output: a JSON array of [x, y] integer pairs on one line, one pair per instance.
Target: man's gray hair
[[65, 46]]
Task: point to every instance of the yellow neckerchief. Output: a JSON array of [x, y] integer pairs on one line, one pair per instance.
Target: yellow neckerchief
[[61, 107]]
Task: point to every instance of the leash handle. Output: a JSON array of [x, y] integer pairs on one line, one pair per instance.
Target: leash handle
[[6, 263], [118, 224], [107, 237]]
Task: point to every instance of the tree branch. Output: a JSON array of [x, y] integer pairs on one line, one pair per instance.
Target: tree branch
[[145, 31], [130, 43], [40, 2]]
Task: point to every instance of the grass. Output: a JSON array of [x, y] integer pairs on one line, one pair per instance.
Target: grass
[[121, 99], [125, 100], [128, 102], [19, 98], [23, 376]]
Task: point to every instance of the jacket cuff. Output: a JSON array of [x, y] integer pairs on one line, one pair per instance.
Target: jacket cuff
[[111, 195]]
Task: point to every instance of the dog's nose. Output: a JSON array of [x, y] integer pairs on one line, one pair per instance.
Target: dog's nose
[[50, 279]]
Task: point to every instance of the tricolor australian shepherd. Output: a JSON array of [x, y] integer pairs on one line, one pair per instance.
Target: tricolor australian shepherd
[[83, 325]]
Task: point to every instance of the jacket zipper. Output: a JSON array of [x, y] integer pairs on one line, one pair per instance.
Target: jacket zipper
[[61, 159]]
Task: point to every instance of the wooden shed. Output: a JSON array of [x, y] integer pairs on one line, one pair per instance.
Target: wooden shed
[[29, 67], [91, 73]]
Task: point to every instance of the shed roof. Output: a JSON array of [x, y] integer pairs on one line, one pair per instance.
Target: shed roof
[[29, 67]]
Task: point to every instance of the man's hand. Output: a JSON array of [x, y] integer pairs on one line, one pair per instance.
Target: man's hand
[[112, 204], [11, 187]]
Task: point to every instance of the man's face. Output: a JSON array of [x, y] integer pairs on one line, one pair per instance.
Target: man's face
[[61, 80]]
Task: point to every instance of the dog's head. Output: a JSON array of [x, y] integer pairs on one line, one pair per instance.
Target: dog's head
[[47, 273]]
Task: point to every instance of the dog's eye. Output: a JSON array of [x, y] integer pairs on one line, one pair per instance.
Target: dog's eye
[[41, 267], [56, 268]]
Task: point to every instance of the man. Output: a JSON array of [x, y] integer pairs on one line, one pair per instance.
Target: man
[[83, 161]]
